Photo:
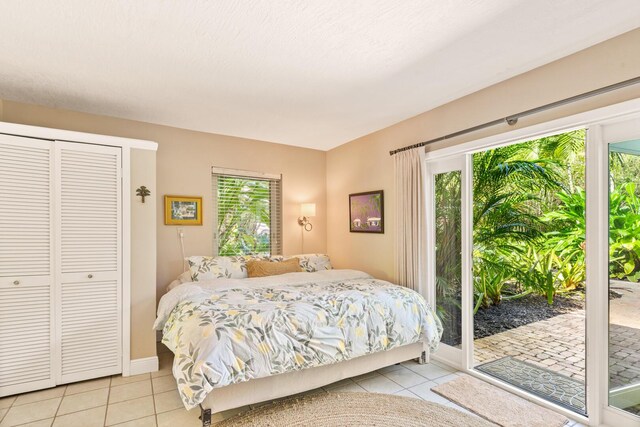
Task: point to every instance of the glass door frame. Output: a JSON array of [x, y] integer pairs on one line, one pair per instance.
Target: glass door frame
[[601, 136], [461, 358], [600, 133]]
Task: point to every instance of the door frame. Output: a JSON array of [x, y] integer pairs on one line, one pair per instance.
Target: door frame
[[448, 354], [602, 135], [596, 164]]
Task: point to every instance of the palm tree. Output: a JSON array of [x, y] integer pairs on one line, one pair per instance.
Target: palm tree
[[448, 220], [568, 149], [508, 186]]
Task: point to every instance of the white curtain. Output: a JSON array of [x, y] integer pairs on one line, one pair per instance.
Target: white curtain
[[410, 217]]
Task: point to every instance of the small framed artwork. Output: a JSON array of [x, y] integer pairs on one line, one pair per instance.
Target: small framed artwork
[[366, 212], [182, 210]]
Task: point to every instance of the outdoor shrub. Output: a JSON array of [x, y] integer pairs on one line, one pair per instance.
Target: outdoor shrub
[[515, 242], [488, 284], [529, 219], [567, 238], [624, 231], [507, 183], [542, 277]]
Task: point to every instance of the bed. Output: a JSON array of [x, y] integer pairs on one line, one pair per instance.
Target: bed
[[239, 341]]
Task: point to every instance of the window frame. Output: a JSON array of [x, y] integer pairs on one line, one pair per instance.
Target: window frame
[[275, 201]]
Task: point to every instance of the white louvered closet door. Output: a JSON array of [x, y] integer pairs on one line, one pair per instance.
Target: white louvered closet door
[[89, 261], [26, 273]]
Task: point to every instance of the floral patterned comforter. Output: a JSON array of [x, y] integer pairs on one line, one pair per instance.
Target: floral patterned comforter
[[232, 330]]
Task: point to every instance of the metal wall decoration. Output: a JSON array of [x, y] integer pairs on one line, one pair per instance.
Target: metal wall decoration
[[143, 192]]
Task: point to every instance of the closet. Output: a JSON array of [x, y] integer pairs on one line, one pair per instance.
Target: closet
[[61, 271]]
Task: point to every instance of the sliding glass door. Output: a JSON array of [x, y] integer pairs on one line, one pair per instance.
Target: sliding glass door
[[622, 219], [624, 275], [529, 266], [534, 245], [448, 272]]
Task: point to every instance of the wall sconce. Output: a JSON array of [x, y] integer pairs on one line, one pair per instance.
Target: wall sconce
[[307, 210]]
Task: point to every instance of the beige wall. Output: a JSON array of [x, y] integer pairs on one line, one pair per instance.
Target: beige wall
[[364, 164], [184, 159], [143, 266], [183, 167]]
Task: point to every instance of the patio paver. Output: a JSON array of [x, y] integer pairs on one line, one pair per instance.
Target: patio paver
[[558, 343]]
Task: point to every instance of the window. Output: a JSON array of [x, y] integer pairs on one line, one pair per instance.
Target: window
[[247, 211]]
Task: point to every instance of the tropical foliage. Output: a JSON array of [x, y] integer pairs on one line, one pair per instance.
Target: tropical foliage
[[624, 233], [243, 216], [449, 260], [510, 187], [529, 221]]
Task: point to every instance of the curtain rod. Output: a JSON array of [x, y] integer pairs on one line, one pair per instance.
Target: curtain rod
[[513, 119]]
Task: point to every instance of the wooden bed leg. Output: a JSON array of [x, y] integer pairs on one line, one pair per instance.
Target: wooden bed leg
[[422, 360], [205, 416]]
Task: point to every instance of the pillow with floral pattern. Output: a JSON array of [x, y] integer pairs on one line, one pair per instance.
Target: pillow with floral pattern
[[313, 262], [224, 267]]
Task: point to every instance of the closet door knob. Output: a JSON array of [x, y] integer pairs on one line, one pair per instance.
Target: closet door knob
[[90, 276], [16, 282]]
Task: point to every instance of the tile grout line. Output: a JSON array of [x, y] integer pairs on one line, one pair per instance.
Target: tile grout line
[[406, 388], [106, 409], [384, 375], [128, 400], [58, 408], [7, 408], [153, 398], [79, 410], [72, 412], [420, 375], [399, 385]]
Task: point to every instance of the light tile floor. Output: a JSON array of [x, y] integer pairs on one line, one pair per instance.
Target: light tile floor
[[152, 399]]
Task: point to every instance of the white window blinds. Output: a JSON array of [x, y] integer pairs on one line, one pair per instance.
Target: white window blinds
[[248, 213]]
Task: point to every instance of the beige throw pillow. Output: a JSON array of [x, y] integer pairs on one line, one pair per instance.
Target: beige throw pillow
[[268, 268]]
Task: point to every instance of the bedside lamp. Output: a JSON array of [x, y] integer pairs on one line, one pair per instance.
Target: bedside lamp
[[307, 210]]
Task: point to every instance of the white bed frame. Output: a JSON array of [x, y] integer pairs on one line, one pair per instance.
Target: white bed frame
[[282, 385]]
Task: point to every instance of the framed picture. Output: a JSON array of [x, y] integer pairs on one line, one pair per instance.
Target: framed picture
[[366, 212], [182, 210]]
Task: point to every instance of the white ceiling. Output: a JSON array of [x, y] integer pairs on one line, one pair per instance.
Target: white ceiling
[[306, 73]]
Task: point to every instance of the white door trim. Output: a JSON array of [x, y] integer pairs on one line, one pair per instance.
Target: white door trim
[[126, 260], [597, 249], [73, 136], [446, 353], [604, 133]]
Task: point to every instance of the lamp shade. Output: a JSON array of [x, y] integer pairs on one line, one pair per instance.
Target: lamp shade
[[308, 209]]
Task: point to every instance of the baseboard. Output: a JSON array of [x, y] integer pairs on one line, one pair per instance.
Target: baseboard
[[143, 366]]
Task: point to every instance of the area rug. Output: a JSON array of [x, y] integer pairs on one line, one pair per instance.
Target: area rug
[[354, 409], [545, 383], [497, 405]]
